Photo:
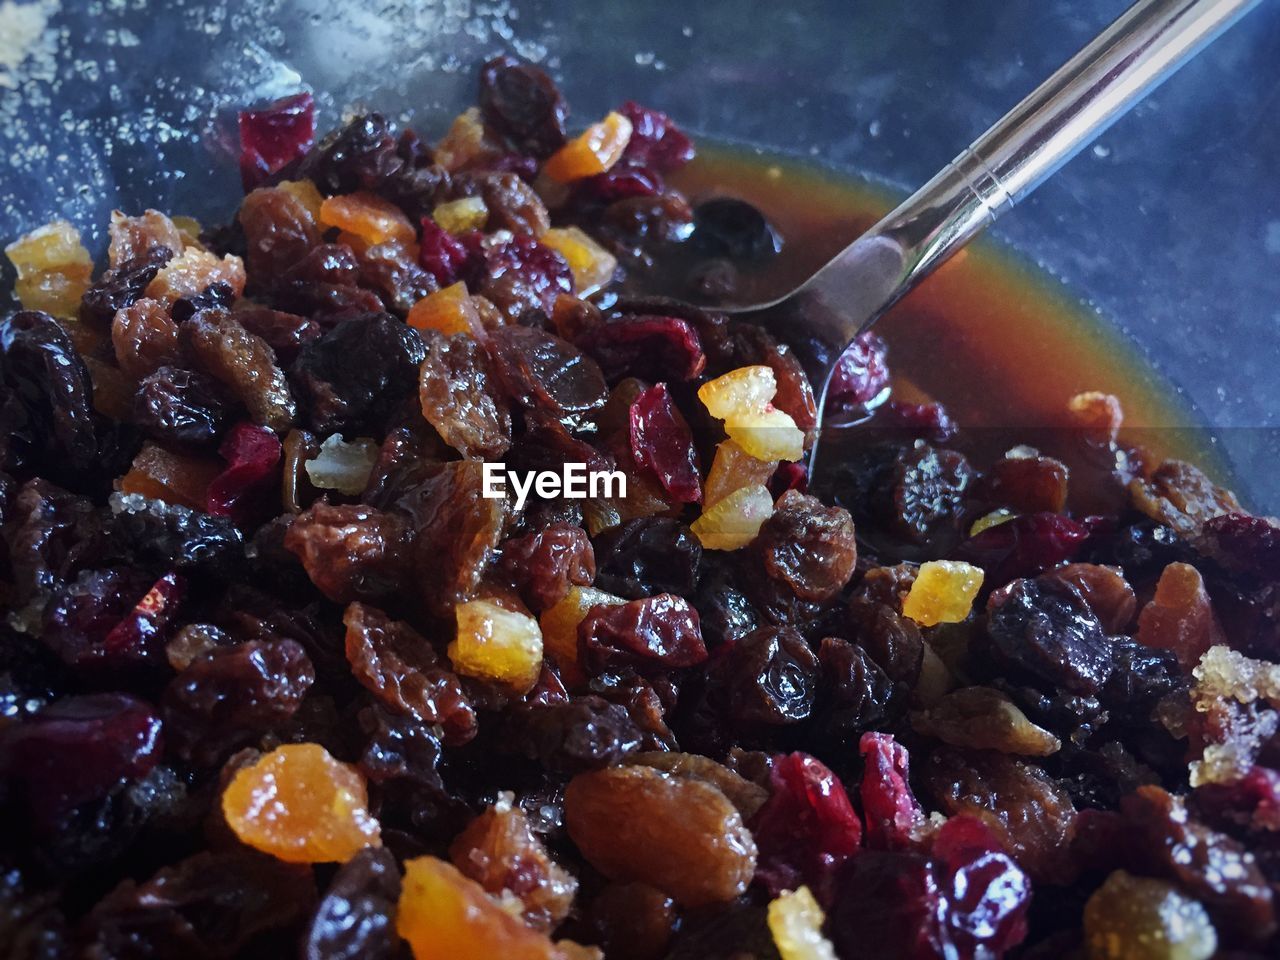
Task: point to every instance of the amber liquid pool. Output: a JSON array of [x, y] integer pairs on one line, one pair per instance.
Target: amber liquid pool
[[998, 341]]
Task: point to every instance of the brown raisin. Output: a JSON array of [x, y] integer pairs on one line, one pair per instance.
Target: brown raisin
[[221, 347], [351, 552]]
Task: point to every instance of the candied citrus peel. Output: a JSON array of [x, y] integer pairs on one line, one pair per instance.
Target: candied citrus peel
[[597, 149], [368, 216], [592, 265], [741, 399], [989, 520], [160, 474], [494, 643], [734, 521], [447, 916], [53, 269], [732, 469], [464, 142], [300, 805], [461, 215], [192, 272], [943, 592], [450, 311], [795, 921]]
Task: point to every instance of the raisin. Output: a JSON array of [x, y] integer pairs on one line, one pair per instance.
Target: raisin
[[1030, 813], [522, 103], [585, 733], [351, 552], [892, 640], [221, 347], [50, 535], [1028, 483], [355, 375], [807, 829], [1046, 629], [399, 667], [360, 156], [230, 695], [1104, 589], [646, 556], [545, 564], [391, 270], [1242, 544], [633, 921], [279, 231], [81, 621], [920, 421], [767, 678], [180, 407], [284, 333], [458, 532], [655, 633], [733, 228], [984, 719], [540, 371], [747, 796], [499, 851], [144, 338], [683, 837], [511, 203], [1181, 496], [890, 905], [855, 695], [398, 748], [121, 286], [808, 546], [51, 395], [459, 398], [355, 918]]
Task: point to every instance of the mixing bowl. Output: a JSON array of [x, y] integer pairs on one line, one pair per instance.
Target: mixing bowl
[[1168, 227]]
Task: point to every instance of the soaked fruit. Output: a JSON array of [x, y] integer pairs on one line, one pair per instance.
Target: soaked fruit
[[739, 392], [942, 592], [369, 217], [53, 269], [451, 310], [597, 149], [300, 805], [682, 836], [497, 644], [559, 626], [731, 470], [734, 521], [795, 920], [461, 215], [592, 266], [447, 916], [1140, 918]]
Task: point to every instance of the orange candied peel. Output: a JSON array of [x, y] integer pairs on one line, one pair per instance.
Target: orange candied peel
[[461, 215], [178, 478], [368, 216], [450, 311], [53, 269], [597, 149], [446, 916], [494, 643], [734, 521], [795, 921], [592, 265], [942, 592], [732, 469], [300, 805], [989, 520]]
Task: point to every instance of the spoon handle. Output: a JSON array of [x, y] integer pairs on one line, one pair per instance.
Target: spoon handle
[[1053, 123]]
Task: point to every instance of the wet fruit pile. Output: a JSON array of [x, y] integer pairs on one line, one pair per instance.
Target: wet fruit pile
[[277, 679]]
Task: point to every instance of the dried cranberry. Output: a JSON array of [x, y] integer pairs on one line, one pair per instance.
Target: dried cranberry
[[274, 135], [806, 830], [79, 749], [655, 139], [732, 228], [649, 347], [522, 103], [890, 905], [926, 421], [861, 375], [1024, 546], [520, 276], [253, 456], [893, 816], [90, 623], [662, 443], [440, 254], [625, 180], [789, 476], [544, 564], [1045, 628], [656, 633], [987, 893], [1243, 544]]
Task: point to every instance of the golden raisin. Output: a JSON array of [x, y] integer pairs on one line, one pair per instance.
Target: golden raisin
[[943, 592], [193, 272], [133, 237], [144, 338], [497, 644], [682, 836], [984, 719], [446, 916], [300, 805]]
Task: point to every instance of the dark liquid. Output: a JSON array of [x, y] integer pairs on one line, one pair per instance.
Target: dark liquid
[[1000, 344]]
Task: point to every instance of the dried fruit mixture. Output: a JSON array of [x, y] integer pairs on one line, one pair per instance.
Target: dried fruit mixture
[[276, 679]]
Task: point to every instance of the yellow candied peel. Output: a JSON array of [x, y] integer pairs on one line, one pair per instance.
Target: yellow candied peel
[[734, 521], [494, 643], [943, 592], [795, 921]]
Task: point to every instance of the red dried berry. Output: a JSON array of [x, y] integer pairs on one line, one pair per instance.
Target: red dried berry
[[1024, 546], [807, 828], [653, 348], [861, 375], [655, 140], [987, 893], [655, 633], [440, 254], [662, 443], [274, 135], [253, 456], [893, 816], [143, 630], [928, 421], [623, 181], [789, 476]]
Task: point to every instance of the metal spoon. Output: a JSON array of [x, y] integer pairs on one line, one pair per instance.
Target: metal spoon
[[821, 317]]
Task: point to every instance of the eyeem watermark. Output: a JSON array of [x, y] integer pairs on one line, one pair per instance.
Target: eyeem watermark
[[573, 482]]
